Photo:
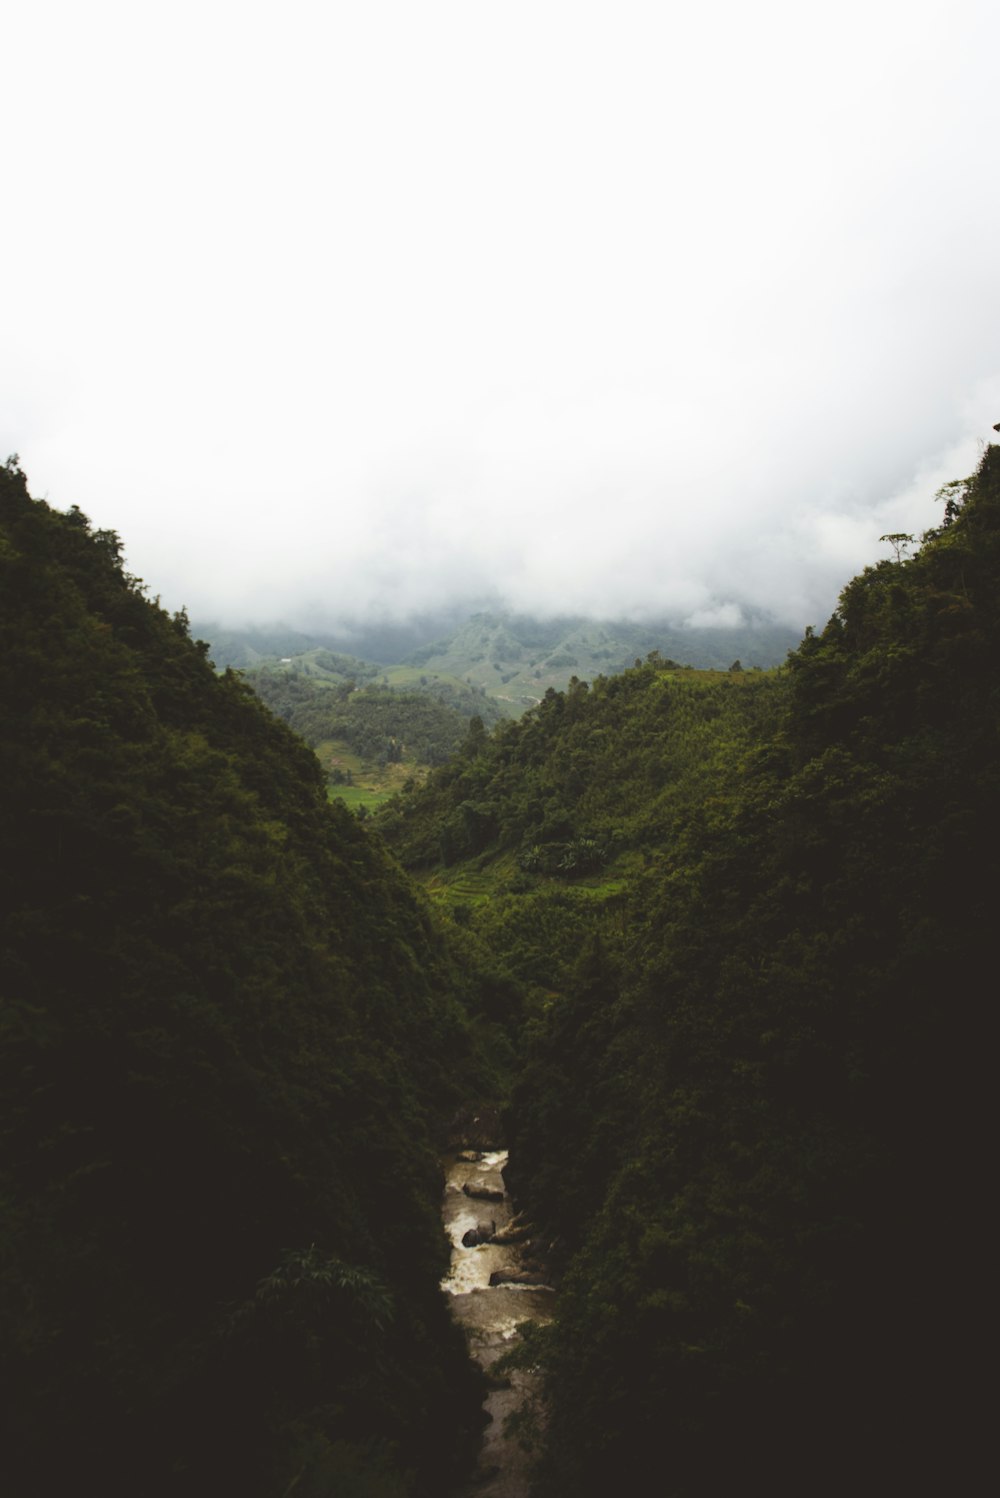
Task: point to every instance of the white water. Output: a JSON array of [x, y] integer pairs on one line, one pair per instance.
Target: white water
[[490, 1316]]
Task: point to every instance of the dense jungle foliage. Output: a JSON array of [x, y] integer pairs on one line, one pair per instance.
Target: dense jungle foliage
[[229, 1033], [749, 930], [378, 723]]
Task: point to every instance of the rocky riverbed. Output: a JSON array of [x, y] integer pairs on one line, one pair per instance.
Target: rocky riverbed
[[495, 1286]]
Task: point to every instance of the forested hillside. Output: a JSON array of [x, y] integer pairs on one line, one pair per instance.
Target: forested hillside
[[378, 723], [749, 927], [494, 664], [229, 1034], [516, 659]]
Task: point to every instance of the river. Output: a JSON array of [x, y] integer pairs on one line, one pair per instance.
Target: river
[[490, 1315]]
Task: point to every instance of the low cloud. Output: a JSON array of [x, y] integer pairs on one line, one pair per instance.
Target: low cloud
[[680, 332], [723, 616]]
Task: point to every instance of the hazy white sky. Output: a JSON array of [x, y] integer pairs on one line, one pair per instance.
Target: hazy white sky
[[611, 306]]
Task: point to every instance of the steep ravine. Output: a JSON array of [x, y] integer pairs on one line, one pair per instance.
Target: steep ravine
[[476, 1202]]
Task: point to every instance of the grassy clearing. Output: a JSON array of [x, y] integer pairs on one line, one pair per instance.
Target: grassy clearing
[[357, 795], [371, 784]]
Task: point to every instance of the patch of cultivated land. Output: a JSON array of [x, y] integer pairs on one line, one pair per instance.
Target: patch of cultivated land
[[371, 784]]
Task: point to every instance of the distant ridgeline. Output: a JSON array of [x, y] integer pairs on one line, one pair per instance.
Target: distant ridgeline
[[496, 664], [750, 925], [230, 1033]]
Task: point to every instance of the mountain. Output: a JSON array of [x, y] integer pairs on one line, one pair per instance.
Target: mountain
[[231, 1035], [510, 659], [746, 928], [516, 658], [376, 726]]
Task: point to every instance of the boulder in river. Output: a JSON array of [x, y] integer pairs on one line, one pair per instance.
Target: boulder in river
[[481, 1192], [516, 1231], [517, 1277], [482, 1233]]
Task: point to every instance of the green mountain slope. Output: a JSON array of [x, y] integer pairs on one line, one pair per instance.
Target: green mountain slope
[[750, 928], [229, 1031], [516, 659], [500, 664], [374, 719]]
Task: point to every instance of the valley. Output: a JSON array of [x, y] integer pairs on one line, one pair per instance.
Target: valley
[[496, 663], [702, 948]]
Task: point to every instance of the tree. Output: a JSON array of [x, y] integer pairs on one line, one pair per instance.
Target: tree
[[954, 495], [900, 541]]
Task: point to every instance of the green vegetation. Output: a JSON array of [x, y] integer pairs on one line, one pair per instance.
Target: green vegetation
[[381, 725], [515, 660], [749, 1119], [355, 796], [733, 927], [495, 665], [230, 1039]]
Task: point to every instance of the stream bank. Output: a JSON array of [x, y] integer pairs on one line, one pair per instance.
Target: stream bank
[[476, 1207]]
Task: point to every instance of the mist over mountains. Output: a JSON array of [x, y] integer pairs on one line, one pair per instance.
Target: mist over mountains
[[512, 658], [381, 639], [613, 349], [431, 634]]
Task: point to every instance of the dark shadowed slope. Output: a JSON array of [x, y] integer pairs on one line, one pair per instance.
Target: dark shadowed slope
[[228, 1027]]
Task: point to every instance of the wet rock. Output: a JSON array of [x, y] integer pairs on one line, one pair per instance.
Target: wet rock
[[470, 1157], [517, 1277], [516, 1231], [483, 1232], [481, 1192]]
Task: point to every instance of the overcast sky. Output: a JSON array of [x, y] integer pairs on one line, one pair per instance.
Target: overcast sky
[[338, 308]]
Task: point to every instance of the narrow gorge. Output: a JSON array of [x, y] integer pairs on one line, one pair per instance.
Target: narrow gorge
[[495, 1285]]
